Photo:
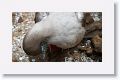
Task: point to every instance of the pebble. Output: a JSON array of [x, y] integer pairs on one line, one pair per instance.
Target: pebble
[[97, 42], [21, 58]]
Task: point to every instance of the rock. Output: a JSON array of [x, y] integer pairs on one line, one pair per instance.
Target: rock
[[97, 16], [89, 51], [94, 26], [34, 58], [86, 46], [93, 33], [72, 56], [68, 59], [81, 47], [76, 56], [87, 19], [84, 58], [20, 20], [97, 43]]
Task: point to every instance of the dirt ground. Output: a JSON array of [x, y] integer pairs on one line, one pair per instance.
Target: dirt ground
[[89, 50]]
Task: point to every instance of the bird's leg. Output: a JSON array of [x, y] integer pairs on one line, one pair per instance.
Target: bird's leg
[[62, 50], [43, 51]]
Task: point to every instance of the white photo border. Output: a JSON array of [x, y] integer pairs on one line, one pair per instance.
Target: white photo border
[[104, 67]]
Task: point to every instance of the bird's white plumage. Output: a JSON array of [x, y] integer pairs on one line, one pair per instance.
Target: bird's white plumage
[[62, 29], [68, 31]]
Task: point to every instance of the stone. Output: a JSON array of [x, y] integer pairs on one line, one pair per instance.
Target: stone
[[97, 43], [20, 20]]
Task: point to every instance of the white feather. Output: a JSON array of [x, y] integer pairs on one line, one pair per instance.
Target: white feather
[[62, 29]]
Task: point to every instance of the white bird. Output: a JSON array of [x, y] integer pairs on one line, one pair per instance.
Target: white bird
[[62, 29]]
